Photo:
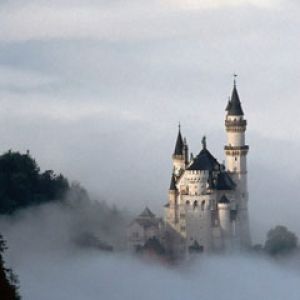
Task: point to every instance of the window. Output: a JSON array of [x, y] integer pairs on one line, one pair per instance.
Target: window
[[203, 205], [182, 228], [187, 202], [195, 204]]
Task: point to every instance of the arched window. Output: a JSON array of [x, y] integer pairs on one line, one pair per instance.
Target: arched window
[[195, 204], [187, 202]]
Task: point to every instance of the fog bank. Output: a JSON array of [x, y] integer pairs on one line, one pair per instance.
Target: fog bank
[[50, 266]]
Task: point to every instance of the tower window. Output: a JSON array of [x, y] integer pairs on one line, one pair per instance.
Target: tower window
[[195, 204], [235, 158], [202, 205]]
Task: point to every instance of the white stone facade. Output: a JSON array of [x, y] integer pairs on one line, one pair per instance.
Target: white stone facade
[[208, 202]]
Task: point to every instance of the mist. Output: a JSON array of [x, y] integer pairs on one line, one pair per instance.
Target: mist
[[51, 266]]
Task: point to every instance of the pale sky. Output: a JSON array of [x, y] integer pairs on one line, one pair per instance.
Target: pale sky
[[95, 90]]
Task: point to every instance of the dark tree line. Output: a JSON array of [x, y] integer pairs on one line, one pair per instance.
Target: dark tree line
[[22, 184], [8, 281], [279, 242]]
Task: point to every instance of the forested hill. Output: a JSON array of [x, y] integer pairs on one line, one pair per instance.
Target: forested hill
[[22, 184]]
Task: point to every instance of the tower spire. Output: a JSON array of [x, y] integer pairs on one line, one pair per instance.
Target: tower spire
[[234, 106], [179, 146], [203, 141], [234, 79]]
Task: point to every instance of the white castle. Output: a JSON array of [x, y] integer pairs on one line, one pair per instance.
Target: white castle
[[207, 207]]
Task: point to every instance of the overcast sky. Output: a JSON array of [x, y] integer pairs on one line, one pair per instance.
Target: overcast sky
[[95, 90]]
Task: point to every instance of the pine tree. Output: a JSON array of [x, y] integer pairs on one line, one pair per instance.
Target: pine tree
[[8, 281]]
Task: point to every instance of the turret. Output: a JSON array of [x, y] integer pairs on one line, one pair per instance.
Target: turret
[[179, 155], [236, 152], [171, 206], [224, 216], [235, 124]]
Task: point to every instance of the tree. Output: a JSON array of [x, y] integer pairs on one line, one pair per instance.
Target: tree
[[8, 281], [280, 241], [22, 184]]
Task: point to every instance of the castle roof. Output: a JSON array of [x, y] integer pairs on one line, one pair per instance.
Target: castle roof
[[146, 223], [224, 182], [179, 147], [234, 106], [204, 161], [224, 200], [146, 213]]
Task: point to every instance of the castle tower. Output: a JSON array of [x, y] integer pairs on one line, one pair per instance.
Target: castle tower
[[236, 152], [225, 221], [180, 155], [172, 216]]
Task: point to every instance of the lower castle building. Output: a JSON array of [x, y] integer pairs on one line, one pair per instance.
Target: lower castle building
[[207, 207]]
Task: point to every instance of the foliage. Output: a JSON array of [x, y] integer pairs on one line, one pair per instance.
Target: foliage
[[22, 184], [280, 241], [8, 281]]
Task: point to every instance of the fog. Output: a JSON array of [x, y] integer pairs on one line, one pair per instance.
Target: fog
[[50, 266], [95, 90]]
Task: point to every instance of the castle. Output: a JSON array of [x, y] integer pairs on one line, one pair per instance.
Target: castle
[[207, 207]]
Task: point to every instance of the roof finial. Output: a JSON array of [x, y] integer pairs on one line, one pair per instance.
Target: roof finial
[[204, 142], [179, 125], [234, 79]]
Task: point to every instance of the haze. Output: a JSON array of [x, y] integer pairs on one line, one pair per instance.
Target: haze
[[95, 90]]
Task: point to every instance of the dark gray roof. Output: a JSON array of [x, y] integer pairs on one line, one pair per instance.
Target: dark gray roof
[[234, 106], [147, 222], [173, 183], [204, 161], [224, 182], [179, 147], [147, 213], [224, 200]]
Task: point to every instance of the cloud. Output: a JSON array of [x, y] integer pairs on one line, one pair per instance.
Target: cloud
[[137, 20], [217, 4]]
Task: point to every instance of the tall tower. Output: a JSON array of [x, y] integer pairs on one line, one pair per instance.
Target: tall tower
[[180, 155], [236, 152]]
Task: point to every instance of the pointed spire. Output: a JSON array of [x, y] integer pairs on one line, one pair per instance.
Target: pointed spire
[[228, 105], [234, 106], [203, 142], [173, 183], [179, 147]]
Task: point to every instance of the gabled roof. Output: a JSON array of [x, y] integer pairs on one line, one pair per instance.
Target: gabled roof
[[179, 147], [224, 200], [173, 183], [234, 106], [147, 213], [146, 223], [204, 161]]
